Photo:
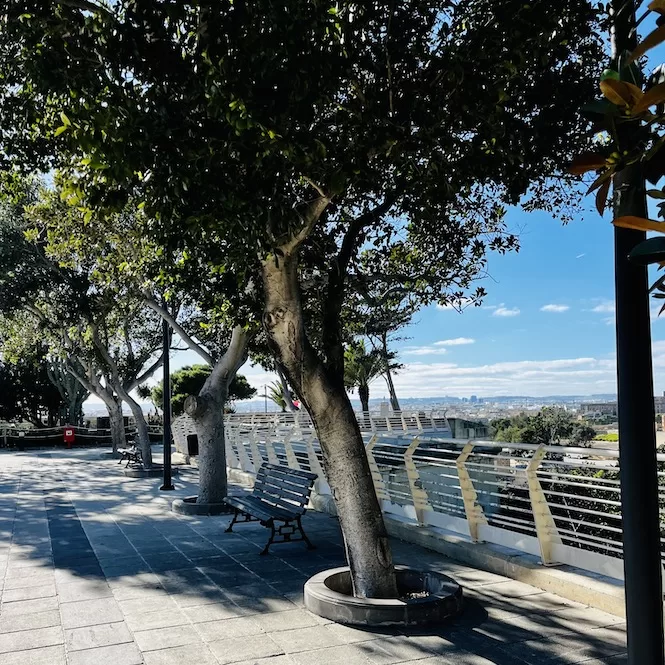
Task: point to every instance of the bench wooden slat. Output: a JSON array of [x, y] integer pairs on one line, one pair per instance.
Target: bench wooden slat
[[295, 484], [283, 474], [293, 508], [259, 508], [269, 485], [280, 493]]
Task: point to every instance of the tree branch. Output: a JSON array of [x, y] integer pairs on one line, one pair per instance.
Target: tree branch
[[231, 361], [86, 6], [311, 217], [147, 374], [186, 338]]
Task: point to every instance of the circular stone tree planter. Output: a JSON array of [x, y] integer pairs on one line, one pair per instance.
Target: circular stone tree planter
[[329, 595], [188, 506]]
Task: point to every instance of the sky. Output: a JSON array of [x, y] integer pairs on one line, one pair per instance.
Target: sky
[[546, 326]]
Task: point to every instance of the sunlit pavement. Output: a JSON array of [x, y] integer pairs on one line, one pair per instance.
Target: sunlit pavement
[[96, 570]]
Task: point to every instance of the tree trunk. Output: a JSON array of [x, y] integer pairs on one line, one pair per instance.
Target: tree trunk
[[207, 411], [345, 461], [363, 394], [394, 403], [118, 439], [142, 433]]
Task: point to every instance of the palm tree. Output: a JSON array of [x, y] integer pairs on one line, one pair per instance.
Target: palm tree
[[360, 368], [276, 394]]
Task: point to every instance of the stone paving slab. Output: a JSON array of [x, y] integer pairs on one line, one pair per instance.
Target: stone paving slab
[[96, 570]]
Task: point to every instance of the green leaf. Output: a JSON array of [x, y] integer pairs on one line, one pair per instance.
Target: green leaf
[[65, 120], [61, 129], [656, 193]]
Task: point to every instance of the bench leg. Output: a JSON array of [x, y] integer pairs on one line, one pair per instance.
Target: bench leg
[[229, 528], [308, 542], [271, 524]]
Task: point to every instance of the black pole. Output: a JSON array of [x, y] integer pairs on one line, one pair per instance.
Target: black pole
[[637, 435], [166, 407]]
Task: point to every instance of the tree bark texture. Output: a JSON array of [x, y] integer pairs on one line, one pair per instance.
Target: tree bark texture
[[363, 394], [117, 422], [207, 411], [142, 433], [345, 460]]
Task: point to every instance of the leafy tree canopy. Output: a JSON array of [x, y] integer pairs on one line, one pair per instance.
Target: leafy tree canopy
[[189, 380], [26, 392], [419, 121], [549, 427]]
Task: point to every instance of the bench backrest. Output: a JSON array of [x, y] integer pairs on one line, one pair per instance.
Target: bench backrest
[[284, 487]]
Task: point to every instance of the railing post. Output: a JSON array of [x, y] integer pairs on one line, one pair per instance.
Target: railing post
[[546, 530], [474, 512], [257, 458], [246, 462], [418, 494], [379, 486], [314, 463], [270, 448], [291, 458], [405, 427], [231, 435]]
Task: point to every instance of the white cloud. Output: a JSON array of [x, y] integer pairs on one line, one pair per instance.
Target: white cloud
[[555, 308], [568, 376], [458, 341], [506, 311], [424, 350], [605, 307]]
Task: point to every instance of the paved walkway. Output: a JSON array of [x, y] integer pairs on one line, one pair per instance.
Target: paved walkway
[[95, 570]]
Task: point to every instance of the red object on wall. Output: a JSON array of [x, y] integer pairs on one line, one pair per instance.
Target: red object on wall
[[69, 436]]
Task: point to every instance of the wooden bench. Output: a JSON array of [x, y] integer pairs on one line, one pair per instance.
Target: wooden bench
[[280, 495], [132, 455]]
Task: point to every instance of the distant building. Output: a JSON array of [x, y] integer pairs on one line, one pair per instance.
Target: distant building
[[468, 429], [598, 408], [659, 403], [474, 399], [611, 408]]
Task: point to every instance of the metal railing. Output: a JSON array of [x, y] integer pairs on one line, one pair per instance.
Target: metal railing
[[407, 421], [559, 503]]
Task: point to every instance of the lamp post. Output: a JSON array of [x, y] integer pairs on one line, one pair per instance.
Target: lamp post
[[637, 436], [166, 407]]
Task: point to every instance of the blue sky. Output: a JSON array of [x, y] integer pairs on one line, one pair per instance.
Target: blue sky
[[546, 326]]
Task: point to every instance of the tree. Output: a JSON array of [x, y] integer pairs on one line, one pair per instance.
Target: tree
[[72, 392], [276, 142], [360, 368], [547, 427], [189, 380], [26, 393], [276, 394], [582, 434], [108, 341]]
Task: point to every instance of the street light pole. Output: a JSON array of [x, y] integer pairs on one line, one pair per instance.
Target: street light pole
[[637, 436], [166, 406]]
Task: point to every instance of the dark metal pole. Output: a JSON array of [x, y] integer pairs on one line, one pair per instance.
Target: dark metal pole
[[637, 436], [166, 407]]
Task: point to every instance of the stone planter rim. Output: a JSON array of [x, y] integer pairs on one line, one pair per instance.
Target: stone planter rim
[[342, 608], [188, 506]]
